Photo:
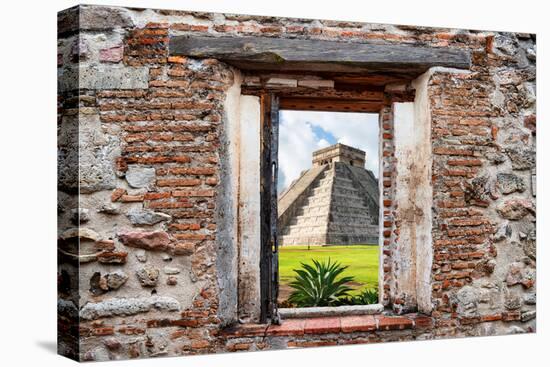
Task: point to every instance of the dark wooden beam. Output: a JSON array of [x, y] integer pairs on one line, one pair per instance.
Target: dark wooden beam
[[329, 104], [262, 53]]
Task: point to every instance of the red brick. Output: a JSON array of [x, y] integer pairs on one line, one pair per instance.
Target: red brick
[[189, 193], [185, 226], [239, 347], [422, 322], [130, 330], [103, 331], [190, 236], [183, 248], [169, 205], [156, 195], [287, 328], [117, 194], [322, 325], [177, 59], [245, 330], [179, 182], [495, 317], [131, 198], [452, 151], [394, 323], [351, 324], [199, 344]]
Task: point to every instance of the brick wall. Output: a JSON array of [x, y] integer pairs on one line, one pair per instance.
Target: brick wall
[[139, 225]]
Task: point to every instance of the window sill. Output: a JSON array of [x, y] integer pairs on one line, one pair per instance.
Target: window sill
[[332, 325], [308, 312]]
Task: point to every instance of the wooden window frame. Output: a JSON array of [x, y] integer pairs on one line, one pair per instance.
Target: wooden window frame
[[271, 103]]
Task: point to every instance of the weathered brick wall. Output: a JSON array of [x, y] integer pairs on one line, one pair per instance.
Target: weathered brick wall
[[483, 138], [141, 270]]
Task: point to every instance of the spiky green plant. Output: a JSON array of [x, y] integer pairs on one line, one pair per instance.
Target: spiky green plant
[[317, 285], [365, 297]]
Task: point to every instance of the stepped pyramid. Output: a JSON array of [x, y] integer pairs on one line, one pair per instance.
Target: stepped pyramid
[[333, 203]]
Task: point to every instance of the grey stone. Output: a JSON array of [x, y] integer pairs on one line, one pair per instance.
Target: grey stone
[[148, 276], [512, 302], [496, 157], [505, 44], [516, 209], [67, 308], [528, 315], [166, 257], [479, 190], [116, 279], [140, 177], [515, 330], [98, 285], [146, 217], [103, 77], [110, 209], [509, 183], [531, 53], [97, 155], [101, 284], [104, 18], [127, 306], [503, 232], [80, 215], [289, 313], [530, 244], [522, 235], [171, 270], [466, 299], [530, 298], [141, 256], [522, 157]]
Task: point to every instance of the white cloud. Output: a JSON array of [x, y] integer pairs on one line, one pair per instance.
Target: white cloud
[[323, 143], [297, 139]]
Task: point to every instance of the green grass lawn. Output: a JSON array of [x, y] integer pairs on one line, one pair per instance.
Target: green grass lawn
[[362, 262]]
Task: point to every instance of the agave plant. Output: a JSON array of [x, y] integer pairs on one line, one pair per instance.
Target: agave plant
[[317, 285], [365, 297]]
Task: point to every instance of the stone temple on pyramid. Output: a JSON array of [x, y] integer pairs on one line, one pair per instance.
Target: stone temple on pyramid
[[335, 202]]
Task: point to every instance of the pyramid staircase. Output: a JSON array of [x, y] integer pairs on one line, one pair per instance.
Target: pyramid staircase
[[334, 212]]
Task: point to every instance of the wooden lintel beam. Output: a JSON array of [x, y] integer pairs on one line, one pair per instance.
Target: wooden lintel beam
[[263, 53], [329, 104]]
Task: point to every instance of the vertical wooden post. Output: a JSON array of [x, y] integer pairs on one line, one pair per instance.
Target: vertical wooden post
[[274, 212], [269, 265]]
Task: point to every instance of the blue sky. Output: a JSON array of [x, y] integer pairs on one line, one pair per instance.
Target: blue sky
[[302, 132]]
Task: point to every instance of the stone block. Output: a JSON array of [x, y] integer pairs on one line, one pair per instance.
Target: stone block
[[113, 77], [101, 18], [127, 306], [146, 217], [140, 177]]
